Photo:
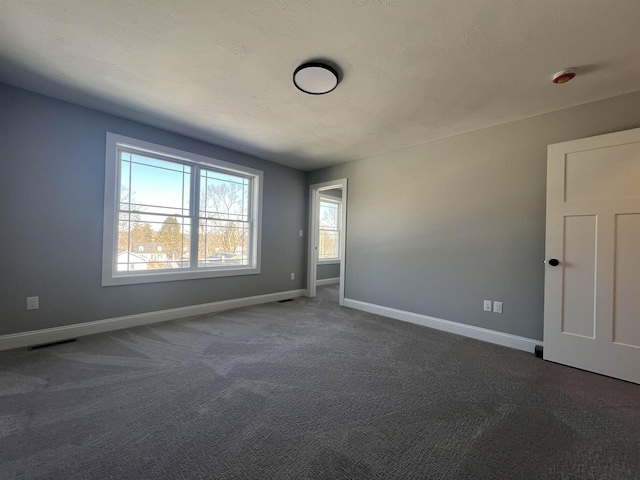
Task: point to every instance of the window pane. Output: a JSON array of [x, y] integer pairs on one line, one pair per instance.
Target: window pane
[[151, 242], [223, 196], [328, 215], [223, 243], [125, 183], [154, 186], [329, 231], [329, 244]]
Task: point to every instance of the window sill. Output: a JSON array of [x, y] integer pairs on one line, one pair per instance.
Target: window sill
[[156, 277], [328, 262]]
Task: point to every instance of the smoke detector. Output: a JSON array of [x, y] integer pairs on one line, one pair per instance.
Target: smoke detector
[[563, 76]]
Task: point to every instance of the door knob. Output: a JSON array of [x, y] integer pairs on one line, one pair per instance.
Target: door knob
[[554, 262]]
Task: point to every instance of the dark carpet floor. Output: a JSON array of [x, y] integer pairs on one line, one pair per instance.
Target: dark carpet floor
[[307, 390]]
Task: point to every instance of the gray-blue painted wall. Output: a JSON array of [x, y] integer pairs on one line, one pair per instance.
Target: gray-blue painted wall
[[52, 156], [437, 228]]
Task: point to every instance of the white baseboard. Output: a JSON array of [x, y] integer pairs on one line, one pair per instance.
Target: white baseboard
[[328, 281], [484, 334], [56, 334]]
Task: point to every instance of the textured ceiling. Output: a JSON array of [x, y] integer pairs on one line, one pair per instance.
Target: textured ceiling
[[413, 71]]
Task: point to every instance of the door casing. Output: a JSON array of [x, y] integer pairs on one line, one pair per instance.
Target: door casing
[[312, 264]]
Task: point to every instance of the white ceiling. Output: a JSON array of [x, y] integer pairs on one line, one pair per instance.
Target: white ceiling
[[414, 71]]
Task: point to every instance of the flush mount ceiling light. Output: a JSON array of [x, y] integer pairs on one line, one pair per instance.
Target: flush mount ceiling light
[[315, 78]]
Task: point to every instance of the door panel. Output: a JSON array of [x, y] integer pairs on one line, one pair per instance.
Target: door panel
[[592, 298], [579, 275], [604, 173], [626, 330]]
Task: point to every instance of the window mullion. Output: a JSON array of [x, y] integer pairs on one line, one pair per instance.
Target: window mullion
[[194, 210], [118, 198]]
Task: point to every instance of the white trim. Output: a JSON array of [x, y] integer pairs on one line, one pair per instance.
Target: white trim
[[328, 281], [330, 199], [484, 334], [56, 334]]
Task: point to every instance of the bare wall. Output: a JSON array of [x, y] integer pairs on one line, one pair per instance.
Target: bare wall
[[326, 271], [463, 218], [51, 208]]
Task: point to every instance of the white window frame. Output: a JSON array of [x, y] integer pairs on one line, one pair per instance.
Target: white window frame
[[110, 274], [338, 201]]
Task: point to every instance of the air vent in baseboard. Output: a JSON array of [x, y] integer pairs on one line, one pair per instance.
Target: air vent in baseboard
[[52, 344]]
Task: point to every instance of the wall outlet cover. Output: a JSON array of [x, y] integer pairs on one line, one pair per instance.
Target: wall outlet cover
[[33, 303], [497, 307]]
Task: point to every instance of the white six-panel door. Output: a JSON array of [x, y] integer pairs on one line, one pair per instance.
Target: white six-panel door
[[592, 297]]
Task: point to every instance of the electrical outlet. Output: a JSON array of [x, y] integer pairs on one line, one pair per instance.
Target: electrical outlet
[[301, 233], [497, 307], [487, 305], [32, 303], [293, 276]]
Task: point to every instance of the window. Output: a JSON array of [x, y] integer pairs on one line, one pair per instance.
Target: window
[[329, 229], [173, 215]]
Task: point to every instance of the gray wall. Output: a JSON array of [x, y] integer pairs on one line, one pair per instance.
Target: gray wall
[[463, 219], [334, 192], [328, 271], [51, 207]]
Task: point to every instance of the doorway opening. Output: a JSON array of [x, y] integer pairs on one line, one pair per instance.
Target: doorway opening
[[327, 236]]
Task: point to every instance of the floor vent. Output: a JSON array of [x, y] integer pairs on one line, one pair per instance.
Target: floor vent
[[52, 344], [287, 300]]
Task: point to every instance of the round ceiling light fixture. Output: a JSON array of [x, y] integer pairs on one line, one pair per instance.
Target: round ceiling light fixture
[[563, 76], [315, 78]]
